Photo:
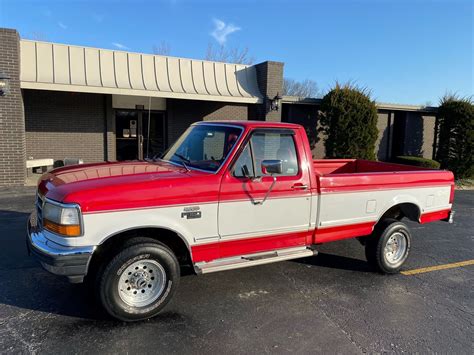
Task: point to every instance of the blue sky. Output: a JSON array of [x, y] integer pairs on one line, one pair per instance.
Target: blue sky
[[405, 51]]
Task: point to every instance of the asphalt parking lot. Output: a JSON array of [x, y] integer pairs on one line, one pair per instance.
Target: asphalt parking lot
[[330, 303]]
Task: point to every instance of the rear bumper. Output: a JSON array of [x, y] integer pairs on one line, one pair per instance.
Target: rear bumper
[[72, 262], [450, 218]]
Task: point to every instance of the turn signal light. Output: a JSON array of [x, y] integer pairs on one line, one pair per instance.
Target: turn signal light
[[68, 231], [451, 195]]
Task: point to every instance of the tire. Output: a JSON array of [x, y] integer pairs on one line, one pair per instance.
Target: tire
[[388, 247], [139, 281]]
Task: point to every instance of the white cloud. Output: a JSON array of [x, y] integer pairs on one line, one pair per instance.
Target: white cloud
[[222, 30], [120, 45], [98, 17], [62, 25]]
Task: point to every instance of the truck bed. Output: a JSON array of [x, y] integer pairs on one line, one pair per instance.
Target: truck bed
[[336, 175], [352, 166], [354, 194]]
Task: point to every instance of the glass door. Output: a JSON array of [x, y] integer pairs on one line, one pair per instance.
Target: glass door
[[153, 130], [126, 129], [139, 134]]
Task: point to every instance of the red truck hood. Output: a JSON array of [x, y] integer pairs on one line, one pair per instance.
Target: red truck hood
[[123, 185]]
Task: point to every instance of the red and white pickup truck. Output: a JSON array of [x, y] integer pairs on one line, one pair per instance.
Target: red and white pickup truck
[[226, 195]]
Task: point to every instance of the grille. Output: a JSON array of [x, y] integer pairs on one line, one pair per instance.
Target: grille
[[39, 210]]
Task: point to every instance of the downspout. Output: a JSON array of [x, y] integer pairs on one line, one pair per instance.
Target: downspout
[[106, 151]]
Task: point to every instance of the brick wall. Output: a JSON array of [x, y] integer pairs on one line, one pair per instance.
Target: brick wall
[[270, 83], [307, 116], [12, 123], [65, 125], [382, 145], [416, 138], [111, 151], [182, 113], [429, 142]]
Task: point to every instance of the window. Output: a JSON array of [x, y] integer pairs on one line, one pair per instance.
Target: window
[[267, 146], [203, 147], [244, 165]]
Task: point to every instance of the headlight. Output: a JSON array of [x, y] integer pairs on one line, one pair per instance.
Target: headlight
[[63, 220]]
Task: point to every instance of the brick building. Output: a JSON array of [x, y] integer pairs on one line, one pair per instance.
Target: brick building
[[93, 104]]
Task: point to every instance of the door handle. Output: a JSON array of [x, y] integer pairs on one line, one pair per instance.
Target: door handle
[[299, 187]]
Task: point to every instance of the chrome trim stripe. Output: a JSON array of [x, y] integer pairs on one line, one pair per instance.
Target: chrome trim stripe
[[195, 204], [238, 262]]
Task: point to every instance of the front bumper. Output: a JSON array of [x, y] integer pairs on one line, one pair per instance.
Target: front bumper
[[72, 262]]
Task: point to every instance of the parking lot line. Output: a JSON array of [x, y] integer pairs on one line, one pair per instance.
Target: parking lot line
[[438, 267]]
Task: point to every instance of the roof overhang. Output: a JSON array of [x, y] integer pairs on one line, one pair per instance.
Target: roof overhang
[[401, 107], [59, 67], [379, 105]]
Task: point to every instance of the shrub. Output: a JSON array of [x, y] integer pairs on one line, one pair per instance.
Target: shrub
[[456, 135], [349, 121], [417, 161]]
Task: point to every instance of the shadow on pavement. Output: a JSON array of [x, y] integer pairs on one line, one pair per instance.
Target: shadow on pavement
[[24, 283], [336, 262]]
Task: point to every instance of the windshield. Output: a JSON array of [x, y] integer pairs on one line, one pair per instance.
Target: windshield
[[203, 147]]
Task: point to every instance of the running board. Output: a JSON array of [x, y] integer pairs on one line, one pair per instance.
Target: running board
[[253, 259]]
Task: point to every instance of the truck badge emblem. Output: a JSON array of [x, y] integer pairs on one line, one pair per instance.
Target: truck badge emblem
[[191, 212]]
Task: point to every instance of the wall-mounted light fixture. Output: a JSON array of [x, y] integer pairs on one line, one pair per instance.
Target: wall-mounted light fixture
[[4, 84], [274, 104]]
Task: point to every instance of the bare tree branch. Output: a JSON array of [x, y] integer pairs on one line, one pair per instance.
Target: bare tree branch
[[37, 36], [233, 55], [163, 49], [305, 88]]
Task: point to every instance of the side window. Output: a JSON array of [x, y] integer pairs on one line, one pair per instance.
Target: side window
[[244, 166], [271, 145]]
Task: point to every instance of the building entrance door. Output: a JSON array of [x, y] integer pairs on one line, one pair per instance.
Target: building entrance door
[[139, 134], [399, 133]]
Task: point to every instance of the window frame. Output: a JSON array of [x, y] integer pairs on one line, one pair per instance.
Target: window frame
[[248, 140], [228, 154], [232, 167]]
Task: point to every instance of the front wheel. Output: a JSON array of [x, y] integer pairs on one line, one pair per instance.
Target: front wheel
[[138, 282], [388, 247]]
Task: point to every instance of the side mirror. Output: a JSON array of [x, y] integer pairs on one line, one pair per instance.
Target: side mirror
[[270, 167]]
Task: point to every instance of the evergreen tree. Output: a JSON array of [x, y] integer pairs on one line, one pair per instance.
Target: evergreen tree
[[456, 135], [349, 121]]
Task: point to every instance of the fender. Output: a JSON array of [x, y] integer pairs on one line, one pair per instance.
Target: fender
[[398, 200], [102, 226], [147, 227]]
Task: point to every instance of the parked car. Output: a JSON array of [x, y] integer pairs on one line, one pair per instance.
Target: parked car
[[226, 195]]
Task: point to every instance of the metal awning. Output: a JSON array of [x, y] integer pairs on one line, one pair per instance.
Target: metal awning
[[51, 66]]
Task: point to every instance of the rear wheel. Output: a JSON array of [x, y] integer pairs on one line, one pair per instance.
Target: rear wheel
[[388, 247], [139, 281]]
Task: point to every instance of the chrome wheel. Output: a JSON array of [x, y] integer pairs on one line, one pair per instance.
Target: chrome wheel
[[395, 248], [141, 283]]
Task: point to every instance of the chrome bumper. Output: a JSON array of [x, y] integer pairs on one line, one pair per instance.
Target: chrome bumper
[[451, 217], [72, 262]]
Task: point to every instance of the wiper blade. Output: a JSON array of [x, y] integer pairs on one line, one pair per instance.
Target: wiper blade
[[183, 160]]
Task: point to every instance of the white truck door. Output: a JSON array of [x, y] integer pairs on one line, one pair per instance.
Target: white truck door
[[287, 209]]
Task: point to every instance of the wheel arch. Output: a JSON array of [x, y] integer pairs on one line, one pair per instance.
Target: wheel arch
[[408, 208], [112, 243]]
